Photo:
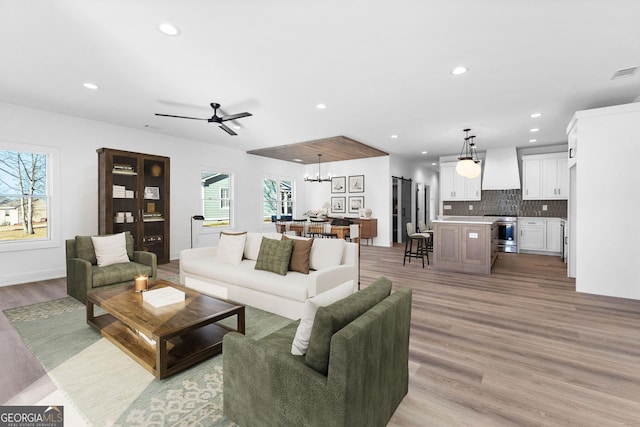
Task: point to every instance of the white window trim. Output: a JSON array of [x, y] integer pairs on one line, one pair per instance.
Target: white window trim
[[232, 211], [53, 198], [278, 179]]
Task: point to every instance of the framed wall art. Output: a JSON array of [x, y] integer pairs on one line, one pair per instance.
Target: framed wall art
[[355, 203], [339, 204], [338, 184], [356, 184]]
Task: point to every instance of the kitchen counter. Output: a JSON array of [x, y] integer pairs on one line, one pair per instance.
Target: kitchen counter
[[466, 220], [465, 244]]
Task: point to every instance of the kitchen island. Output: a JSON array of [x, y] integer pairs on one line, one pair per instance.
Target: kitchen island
[[465, 244]]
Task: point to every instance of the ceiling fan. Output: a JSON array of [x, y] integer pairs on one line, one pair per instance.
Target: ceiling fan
[[215, 118]]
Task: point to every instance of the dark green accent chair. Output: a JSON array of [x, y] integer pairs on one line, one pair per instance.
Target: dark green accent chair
[[84, 275], [367, 377]]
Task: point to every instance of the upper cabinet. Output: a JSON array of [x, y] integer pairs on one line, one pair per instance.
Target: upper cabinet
[[133, 195], [545, 177], [454, 186]]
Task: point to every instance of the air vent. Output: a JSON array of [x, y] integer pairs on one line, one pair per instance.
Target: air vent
[[627, 72]]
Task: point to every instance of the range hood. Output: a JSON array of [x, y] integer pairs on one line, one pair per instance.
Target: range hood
[[501, 170]]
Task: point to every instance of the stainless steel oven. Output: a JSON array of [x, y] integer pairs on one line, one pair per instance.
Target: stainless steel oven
[[507, 233]]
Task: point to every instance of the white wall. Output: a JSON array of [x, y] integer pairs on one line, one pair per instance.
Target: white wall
[[377, 194], [606, 200], [77, 140]]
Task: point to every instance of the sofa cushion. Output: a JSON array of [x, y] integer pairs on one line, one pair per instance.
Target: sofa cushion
[[274, 255], [326, 253], [118, 273], [332, 318], [254, 240], [301, 339], [231, 248], [300, 255], [111, 249], [294, 285]]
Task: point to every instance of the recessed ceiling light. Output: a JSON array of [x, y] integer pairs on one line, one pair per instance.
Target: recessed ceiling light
[[394, 136], [297, 160], [433, 164], [91, 86], [536, 115], [424, 152], [533, 140], [459, 70], [168, 29], [534, 130], [321, 106]]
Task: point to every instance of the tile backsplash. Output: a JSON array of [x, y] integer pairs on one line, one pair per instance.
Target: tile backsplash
[[507, 203]]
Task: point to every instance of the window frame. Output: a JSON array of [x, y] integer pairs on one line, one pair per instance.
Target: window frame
[[210, 228], [279, 197], [53, 201]]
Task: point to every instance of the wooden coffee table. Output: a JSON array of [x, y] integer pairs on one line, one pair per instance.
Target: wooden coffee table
[[184, 333]]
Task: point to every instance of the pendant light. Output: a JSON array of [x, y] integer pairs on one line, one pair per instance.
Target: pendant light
[[318, 177], [468, 163]]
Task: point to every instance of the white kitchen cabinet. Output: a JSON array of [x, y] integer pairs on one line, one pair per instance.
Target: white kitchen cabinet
[[545, 177], [554, 238], [540, 235], [532, 234], [454, 186]]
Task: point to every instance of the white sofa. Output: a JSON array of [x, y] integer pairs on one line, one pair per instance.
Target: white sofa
[[336, 260]]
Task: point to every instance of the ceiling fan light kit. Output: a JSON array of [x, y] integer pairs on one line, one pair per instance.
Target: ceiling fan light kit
[[215, 118], [318, 177], [468, 162]]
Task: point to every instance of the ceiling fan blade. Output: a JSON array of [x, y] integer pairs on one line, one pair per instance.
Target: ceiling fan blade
[[235, 116], [226, 129], [179, 117]]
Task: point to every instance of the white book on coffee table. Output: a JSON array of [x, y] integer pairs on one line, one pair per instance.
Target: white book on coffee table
[[163, 296]]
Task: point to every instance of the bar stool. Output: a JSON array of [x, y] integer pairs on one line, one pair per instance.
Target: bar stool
[[328, 233], [421, 245]]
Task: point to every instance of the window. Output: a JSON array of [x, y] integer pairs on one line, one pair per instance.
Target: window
[[277, 198], [25, 197], [216, 198], [224, 198]]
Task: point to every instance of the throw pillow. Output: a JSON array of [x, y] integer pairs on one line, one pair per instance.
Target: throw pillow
[[326, 253], [274, 255], [110, 249], [332, 318], [300, 255], [231, 248], [254, 240], [311, 305]]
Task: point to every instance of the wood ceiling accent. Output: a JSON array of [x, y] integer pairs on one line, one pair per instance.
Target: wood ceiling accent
[[333, 149]]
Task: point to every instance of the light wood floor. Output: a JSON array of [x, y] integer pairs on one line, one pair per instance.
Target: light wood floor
[[518, 347]]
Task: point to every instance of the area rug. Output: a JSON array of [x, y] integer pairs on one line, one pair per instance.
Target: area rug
[[109, 388]]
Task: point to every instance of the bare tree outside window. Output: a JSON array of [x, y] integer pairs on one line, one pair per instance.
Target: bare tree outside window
[[23, 195]]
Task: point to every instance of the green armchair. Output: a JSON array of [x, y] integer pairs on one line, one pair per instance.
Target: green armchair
[[361, 381], [84, 275]]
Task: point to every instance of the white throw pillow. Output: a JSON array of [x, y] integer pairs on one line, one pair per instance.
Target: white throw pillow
[[231, 248], [110, 249], [301, 340], [326, 253]]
